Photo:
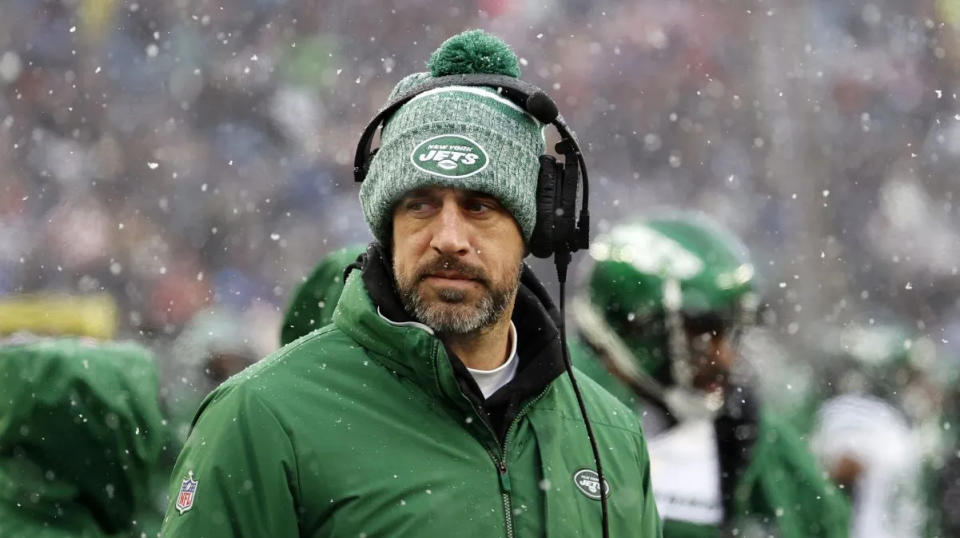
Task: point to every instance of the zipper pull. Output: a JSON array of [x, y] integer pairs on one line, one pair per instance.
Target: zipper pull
[[504, 477]]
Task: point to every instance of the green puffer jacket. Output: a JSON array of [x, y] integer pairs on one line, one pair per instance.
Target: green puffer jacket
[[368, 427], [781, 491], [80, 430]]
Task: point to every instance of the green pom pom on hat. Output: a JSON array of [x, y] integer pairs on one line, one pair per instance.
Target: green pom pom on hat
[[474, 51], [457, 136]]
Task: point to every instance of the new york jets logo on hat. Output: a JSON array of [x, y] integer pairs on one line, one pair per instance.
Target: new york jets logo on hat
[[449, 155]]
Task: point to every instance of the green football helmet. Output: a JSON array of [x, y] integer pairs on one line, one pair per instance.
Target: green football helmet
[[651, 284]]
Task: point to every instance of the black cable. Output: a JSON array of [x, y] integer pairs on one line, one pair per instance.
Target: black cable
[[576, 390]]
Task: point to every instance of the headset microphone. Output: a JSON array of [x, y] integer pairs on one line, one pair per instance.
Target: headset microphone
[[542, 107]]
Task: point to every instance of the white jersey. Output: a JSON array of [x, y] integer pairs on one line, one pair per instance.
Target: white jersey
[[877, 436], [685, 473]]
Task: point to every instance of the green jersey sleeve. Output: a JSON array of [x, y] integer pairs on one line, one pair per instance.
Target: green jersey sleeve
[[785, 480], [237, 473]]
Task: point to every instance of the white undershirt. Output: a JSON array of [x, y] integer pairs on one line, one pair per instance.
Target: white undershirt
[[491, 381]]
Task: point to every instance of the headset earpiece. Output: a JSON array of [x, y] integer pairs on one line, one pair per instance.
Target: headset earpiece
[[565, 220], [542, 241]]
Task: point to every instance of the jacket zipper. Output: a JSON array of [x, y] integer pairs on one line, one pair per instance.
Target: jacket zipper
[[501, 461], [505, 493], [501, 464]]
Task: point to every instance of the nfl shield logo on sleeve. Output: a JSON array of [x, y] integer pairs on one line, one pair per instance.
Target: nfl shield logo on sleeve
[[188, 489]]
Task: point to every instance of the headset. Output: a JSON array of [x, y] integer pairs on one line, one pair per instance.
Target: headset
[[558, 232]]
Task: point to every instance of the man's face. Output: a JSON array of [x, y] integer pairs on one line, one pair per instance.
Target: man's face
[[713, 357], [457, 257]]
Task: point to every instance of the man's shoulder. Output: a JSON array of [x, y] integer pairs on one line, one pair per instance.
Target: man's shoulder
[[328, 342], [316, 355], [299, 379], [602, 407]]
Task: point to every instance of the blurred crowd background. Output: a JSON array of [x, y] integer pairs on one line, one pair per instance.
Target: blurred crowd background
[[192, 160], [178, 155]]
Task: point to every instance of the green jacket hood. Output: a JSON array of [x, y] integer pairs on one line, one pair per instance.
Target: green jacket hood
[[80, 430], [314, 301]]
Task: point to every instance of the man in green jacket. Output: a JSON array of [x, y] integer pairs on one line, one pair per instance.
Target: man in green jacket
[[659, 318], [80, 430], [435, 404]]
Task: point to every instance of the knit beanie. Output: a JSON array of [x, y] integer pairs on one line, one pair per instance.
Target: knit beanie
[[457, 136]]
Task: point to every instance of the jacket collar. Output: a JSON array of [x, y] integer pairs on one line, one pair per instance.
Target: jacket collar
[[370, 312]]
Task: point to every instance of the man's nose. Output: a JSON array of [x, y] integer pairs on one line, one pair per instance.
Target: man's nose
[[450, 234]]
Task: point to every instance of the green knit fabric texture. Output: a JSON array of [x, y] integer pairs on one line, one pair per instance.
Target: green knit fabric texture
[[456, 136]]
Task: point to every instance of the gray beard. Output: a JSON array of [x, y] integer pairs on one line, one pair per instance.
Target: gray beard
[[451, 316]]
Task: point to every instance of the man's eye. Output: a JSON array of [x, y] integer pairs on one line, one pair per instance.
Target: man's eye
[[418, 205], [480, 206]]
